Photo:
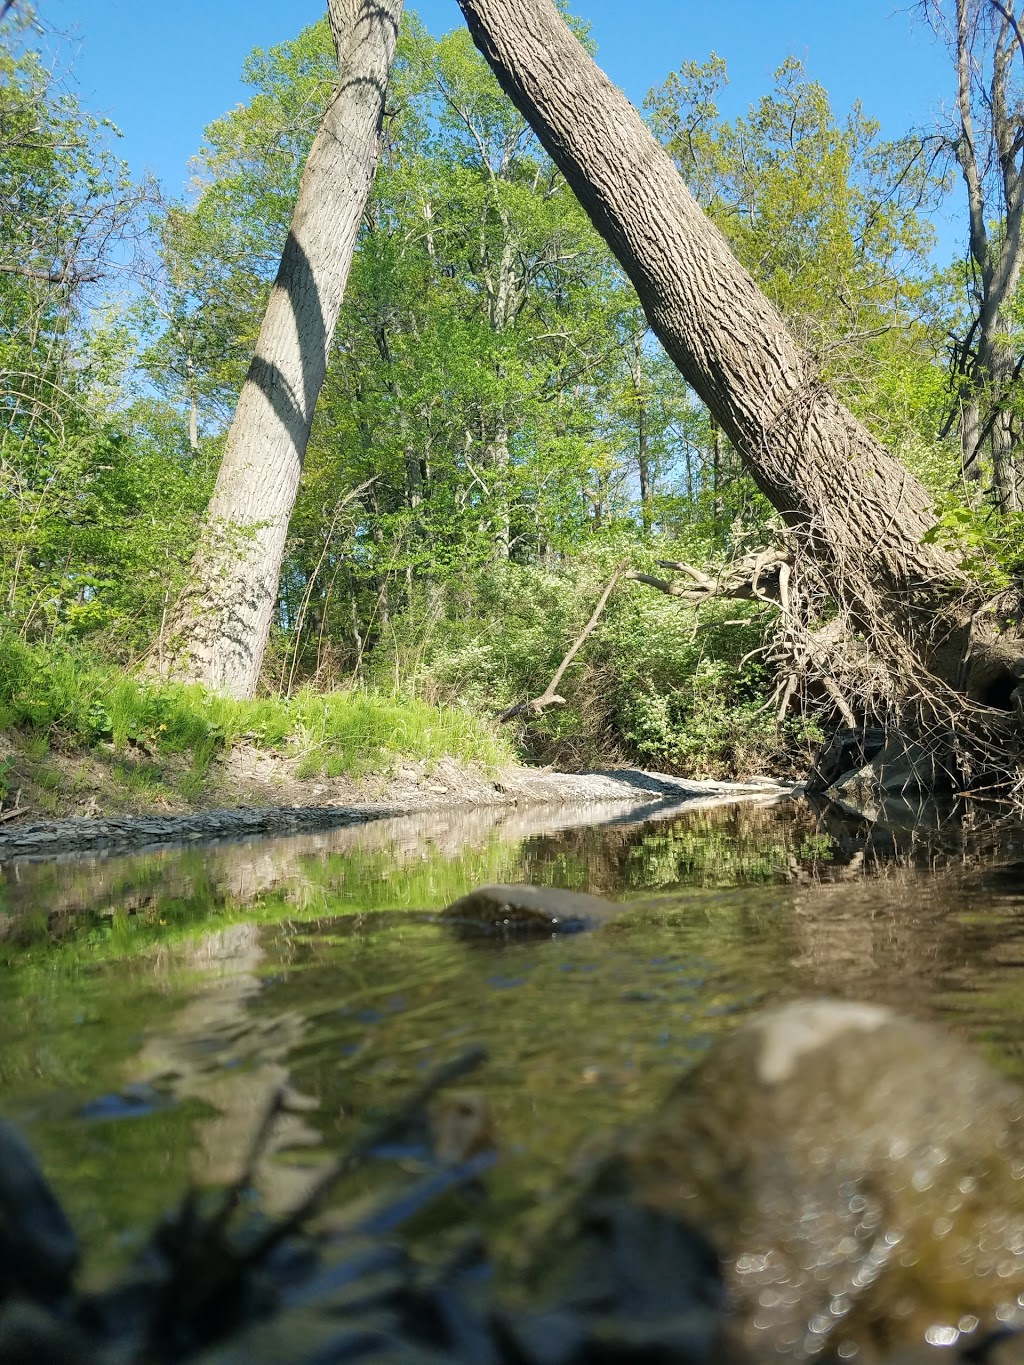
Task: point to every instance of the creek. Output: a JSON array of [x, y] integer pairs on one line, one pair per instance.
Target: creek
[[150, 1003]]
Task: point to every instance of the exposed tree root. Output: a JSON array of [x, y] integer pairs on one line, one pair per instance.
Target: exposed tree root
[[947, 697]]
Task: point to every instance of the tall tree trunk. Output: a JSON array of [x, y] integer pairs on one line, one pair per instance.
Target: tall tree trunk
[[506, 296], [498, 461], [643, 457], [193, 405], [852, 503], [1000, 372], [990, 153], [970, 437], [220, 628]]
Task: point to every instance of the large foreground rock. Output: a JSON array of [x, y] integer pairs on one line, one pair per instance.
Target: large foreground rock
[[859, 1173]]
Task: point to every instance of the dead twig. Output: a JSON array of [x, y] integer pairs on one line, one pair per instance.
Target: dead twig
[[15, 812]]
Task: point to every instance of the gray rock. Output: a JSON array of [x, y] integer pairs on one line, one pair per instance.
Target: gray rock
[[901, 768], [122, 832], [540, 909]]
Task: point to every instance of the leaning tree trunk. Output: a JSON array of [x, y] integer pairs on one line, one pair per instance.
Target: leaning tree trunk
[[852, 503], [219, 630]]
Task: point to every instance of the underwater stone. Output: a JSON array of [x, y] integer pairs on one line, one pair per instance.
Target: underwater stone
[[861, 1175], [38, 1248], [544, 909]]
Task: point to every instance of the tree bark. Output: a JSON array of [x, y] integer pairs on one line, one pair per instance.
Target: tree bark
[[643, 458], [220, 628], [990, 154], [852, 503]]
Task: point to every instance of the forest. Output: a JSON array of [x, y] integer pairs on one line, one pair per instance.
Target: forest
[[747, 454], [502, 581]]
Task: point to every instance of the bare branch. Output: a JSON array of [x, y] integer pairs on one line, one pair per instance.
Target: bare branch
[[549, 697], [65, 276], [757, 577], [1011, 19], [664, 585]]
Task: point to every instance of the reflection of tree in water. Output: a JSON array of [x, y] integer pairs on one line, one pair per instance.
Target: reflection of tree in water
[[727, 908], [729, 845], [924, 910], [948, 942], [423, 861], [785, 897], [354, 860], [219, 1051], [753, 843]]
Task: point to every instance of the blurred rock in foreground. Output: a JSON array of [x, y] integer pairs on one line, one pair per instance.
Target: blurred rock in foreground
[[860, 1174]]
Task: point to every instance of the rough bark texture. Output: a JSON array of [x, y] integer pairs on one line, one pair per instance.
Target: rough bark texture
[[991, 161], [860, 511], [219, 632]]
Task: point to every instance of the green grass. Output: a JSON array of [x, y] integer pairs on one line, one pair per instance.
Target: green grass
[[66, 695]]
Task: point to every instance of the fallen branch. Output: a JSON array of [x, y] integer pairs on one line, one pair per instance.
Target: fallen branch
[[745, 579], [549, 697], [761, 577], [15, 811]]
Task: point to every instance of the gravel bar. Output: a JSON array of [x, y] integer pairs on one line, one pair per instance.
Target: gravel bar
[[524, 787], [51, 838]]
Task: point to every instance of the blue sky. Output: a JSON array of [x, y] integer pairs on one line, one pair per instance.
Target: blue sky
[[162, 72]]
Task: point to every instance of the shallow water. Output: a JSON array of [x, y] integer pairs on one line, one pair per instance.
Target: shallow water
[[149, 1004]]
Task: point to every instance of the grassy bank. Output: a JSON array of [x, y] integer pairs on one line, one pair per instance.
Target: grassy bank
[[170, 742]]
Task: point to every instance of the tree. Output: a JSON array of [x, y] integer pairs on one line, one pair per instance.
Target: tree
[[986, 43], [418, 377], [220, 629], [825, 216], [92, 523], [861, 521]]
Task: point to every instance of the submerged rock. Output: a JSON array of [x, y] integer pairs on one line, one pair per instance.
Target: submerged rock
[[38, 1247], [537, 909], [861, 1175]]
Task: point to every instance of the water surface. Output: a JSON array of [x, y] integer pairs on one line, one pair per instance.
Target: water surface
[[150, 1003]]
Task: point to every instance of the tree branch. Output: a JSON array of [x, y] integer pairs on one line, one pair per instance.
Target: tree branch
[[757, 577], [1013, 22], [51, 276], [549, 697]]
